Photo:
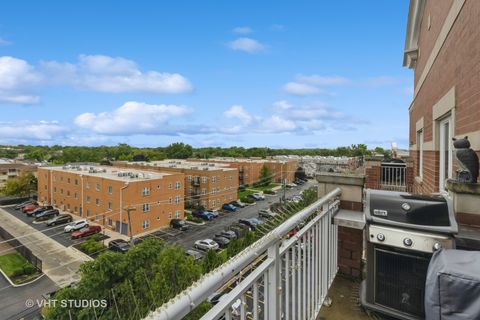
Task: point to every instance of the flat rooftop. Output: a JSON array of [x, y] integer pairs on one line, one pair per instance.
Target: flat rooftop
[[247, 160], [184, 164], [113, 173]]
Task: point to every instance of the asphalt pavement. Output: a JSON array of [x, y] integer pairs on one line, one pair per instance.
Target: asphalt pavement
[[225, 219]]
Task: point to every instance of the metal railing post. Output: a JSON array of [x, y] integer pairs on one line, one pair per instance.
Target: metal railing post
[[273, 285]]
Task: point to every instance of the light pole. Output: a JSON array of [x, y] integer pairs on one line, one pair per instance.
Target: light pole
[[130, 223], [121, 206]]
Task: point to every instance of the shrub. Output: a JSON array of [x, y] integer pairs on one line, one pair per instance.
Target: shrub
[[247, 200], [269, 191], [28, 269], [17, 272], [91, 246]]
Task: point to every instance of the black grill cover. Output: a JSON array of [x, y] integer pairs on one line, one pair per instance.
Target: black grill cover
[[414, 211], [452, 290]]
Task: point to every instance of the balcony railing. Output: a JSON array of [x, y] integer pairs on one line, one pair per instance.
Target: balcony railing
[[393, 176], [288, 278]]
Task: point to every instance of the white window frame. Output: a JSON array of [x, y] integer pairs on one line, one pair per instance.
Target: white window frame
[[445, 136], [146, 207], [146, 191], [420, 152], [145, 224]]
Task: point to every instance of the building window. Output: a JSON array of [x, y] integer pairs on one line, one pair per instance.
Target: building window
[[61, 191], [76, 182], [204, 191], [75, 209], [420, 153], [75, 195], [110, 189], [61, 178], [88, 212], [177, 185], [97, 187], [146, 207], [189, 178], [54, 202], [204, 179], [170, 215], [146, 191], [110, 222], [88, 199], [97, 202], [177, 214], [87, 185], [170, 186], [445, 151], [68, 193], [214, 179], [68, 206], [204, 203], [110, 206], [145, 224], [190, 190], [177, 200], [68, 180], [54, 189], [214, 203]]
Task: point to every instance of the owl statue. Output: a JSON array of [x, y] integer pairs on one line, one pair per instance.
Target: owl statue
[[467, 161]]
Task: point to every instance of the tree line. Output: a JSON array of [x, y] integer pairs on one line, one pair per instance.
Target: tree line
[[63, 154]]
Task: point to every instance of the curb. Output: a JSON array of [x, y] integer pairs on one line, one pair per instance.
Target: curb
[[194, 223], [22, 284], [80, 252]]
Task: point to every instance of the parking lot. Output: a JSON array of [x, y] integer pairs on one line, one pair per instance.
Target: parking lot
[[224, 220], [54, 232]]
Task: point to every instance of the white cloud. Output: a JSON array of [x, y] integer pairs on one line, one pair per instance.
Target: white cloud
[[4, 42], [108, 74], [242, 30], [247, 45], [17, 80], [28, 131], [134, 118], [301, 89], [238, 112], [282, 105], [321, 80]]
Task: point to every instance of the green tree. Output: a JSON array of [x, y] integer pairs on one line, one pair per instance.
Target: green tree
[[265, 176], [179, 150], [212, 260], [21, 186]]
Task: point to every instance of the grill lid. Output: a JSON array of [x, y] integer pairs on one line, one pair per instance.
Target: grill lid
[[421, 212]]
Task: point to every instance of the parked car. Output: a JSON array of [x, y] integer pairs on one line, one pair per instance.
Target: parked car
[[240, 229], [207, 244], [252, 222], [86, 231], [39, 210], [29, 208], [299, 182], [179, 224], [229, 207], [222, 241], [257, 196], [60, 219], [238, 204], [213, 212], [291, 185], [203, 215], [229, 234], [46, 215], [266, 213], [75, 225], [119, 245], [194, 254], [24, 203]]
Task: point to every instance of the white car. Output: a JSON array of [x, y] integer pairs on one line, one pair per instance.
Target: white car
[[75, 225], [260, 195], [207, 244]]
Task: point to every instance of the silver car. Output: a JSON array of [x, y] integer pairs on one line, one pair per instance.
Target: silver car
[[75, 225], [206, 244]]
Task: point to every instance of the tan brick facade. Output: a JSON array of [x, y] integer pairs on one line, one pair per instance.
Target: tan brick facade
[[207, 185], [157, 198], [447, 84]]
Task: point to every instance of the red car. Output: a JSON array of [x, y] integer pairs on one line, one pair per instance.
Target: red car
[[86, 231], [29, 208]]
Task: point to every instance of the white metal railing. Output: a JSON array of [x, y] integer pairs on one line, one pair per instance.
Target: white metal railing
[[290, 283], [393, 176]]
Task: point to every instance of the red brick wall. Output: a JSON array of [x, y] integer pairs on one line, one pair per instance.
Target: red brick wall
[[350, 249], [457, 64], [372, 174]]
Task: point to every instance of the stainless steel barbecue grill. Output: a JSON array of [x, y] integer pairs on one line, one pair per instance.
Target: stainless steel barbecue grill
[[403, 230]]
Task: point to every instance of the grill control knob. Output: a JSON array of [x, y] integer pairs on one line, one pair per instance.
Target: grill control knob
[[437, 246], [381, 237], [407, 242]]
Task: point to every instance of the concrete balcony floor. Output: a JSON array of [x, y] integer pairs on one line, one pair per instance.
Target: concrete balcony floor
[[345, 302]]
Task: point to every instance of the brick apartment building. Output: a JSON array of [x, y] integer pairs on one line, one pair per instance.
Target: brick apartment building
[[10, 170], [207, 184], [443, 47], [98, 193], [249, 169]]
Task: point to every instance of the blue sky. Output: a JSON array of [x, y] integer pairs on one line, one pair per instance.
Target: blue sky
[[208, 73]]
